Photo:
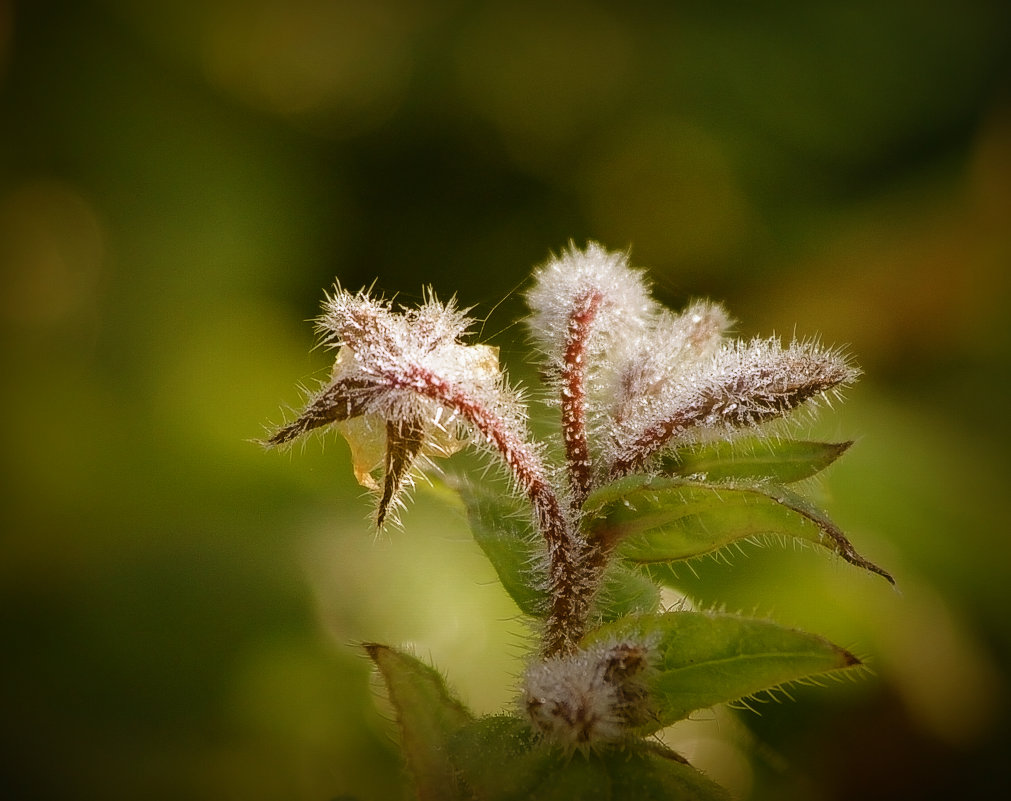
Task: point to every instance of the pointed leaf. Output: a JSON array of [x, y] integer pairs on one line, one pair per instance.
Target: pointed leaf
[[501, 760], [428, 716], [703, 659], [833, 537], [781, 461], [343, 399], [670, 519], [502, 527], [404, 440]]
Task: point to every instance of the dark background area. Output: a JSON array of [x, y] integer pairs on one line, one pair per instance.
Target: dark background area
[[179, 182]]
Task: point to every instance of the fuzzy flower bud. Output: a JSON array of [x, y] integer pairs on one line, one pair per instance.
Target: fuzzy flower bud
[[583, 305], [576, 279], [740, 386], [591, 697], [675, 341], [405, 378]]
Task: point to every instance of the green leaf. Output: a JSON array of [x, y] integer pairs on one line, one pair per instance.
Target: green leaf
[[501, 760], [652, 774], [703, 659], [781, 461], [502, 527], [670, 519], [832, 536], [428, 717]]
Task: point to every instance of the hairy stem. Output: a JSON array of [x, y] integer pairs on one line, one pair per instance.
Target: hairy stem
[[635, 456], [577, 451], [569, 591]]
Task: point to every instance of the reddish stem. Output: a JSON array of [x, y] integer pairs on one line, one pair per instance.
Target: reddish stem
[[649, 442], [568, 588], [577, 451]]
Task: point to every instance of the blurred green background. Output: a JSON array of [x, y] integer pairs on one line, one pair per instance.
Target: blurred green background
[[179, 181]]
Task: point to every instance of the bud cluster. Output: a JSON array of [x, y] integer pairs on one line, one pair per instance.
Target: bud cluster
[[631, 379]]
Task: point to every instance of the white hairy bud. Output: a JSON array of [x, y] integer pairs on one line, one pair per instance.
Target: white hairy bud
[[591, 697], [566, 281]]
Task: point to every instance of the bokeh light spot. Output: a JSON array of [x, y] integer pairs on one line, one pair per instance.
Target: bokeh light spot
[[667, 186], [544, 74], [51, 254], [344, 65]]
